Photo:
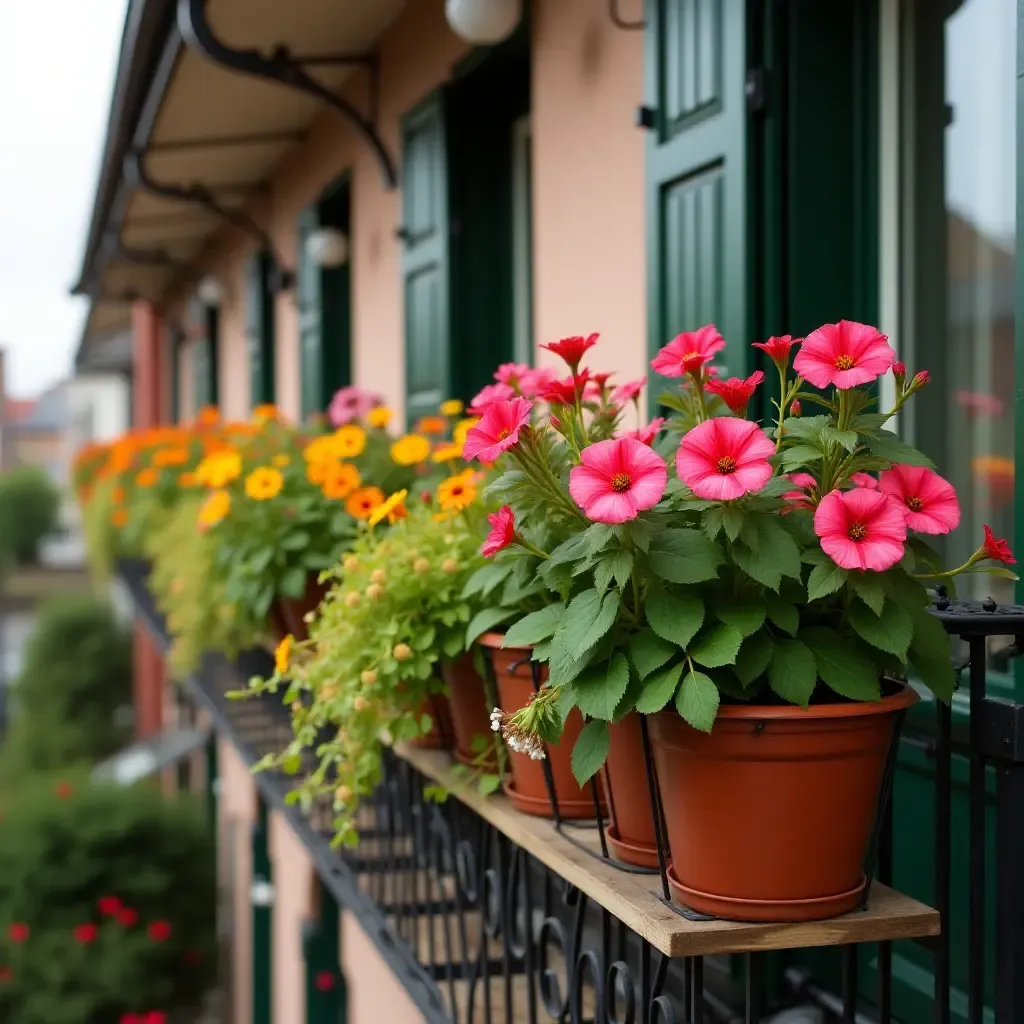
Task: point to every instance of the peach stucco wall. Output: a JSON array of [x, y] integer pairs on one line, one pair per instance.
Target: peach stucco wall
[[374, 997]]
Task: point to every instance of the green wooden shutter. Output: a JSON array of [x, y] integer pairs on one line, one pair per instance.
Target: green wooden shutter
[[696, 172], [262, 918], [259, 329], [326, 990], [426, 262], [310, 301]]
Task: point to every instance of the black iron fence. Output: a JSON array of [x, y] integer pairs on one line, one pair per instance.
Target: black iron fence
[[479, 928]]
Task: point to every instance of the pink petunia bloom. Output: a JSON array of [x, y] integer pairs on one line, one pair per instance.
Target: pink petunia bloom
[[572, 349], [997, 548], [861, 529], [777, 349], [489, 394], [498, 429], [349, 404], [798, 498], [619, 478], [534, 383], [688, 352], [864, 480], [627, 392], [503, 532], [844, 354], [735, 391], [801, 480], [511, 374], [928, 501], [724, 458], [649, 433]]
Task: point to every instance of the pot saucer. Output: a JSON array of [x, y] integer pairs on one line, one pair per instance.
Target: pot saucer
[[578, 809], [635, 854]]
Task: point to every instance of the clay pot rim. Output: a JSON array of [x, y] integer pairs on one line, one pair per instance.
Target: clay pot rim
[[904, 697], [495, 641]]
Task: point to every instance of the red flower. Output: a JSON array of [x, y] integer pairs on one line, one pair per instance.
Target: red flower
[[324, 981], [649, 433], [503, 531], [997, 549], [861, 529], [126, 917], [63, 789], [736, 392], [132, 1018], [688, 351], [778, 348], [6, 974], [921, 378], [899, 370], [572, 349], [795, 408], [568, 390], [159, 931], [844, 354], [498, 430], [85, 933], [18, 932], [724, 458], [153, 1017], [109, 906]]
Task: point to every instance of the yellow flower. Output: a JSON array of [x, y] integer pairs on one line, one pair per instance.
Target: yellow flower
[[320, 449], [432, 425], [214, 509], [146, 478], [379, 416], [362, 502], [388, 508], [349, 441], [318, 472], [219, 468], [263, 483], [410, 449], [457, 492], [282, 655], [281, 459], [451, 408], [341, 479], [462, 428], [447, 453], [262, 413]]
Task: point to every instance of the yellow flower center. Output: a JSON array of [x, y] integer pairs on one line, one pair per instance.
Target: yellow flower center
[[621, 482], [693, 355], [503, 433], [915, 504], [726, 464], [845, 362], [858, 531]]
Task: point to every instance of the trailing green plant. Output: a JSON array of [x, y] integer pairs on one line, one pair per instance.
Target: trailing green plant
[[29, 509], [106, 903]]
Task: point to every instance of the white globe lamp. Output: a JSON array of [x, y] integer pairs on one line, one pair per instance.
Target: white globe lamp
[[327, 247], [210, 292], [483, 22]]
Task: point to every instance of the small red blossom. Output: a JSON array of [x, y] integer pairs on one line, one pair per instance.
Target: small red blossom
[[566, 391], [153, 1017], [324, 981], [19, 932], [899, 370], [795, 407], [688, 352], [736, 392], [503, 531], [6, 974], [85, 933], [997, 549], [921, 378], [572, 349], [159, 931], [63, 789], [777, 348], [649, 433], [126, 917], [108, 905]]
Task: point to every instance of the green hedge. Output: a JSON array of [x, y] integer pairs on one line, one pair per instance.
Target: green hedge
[[29, 510]]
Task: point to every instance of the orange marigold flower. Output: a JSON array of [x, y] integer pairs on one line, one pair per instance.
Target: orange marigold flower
[[188, 479], [341, 479], [281, 459], [317, 472], [432, 425], [379, 416], [457, 492], [119, 517], [361, 503], [219, 468], [146, 477], [265, 412], [176, 456], [349, 441], [264, 483], [117, 495], [207, 416]]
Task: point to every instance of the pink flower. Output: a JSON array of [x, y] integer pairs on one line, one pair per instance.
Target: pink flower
[[503, 531], [778, 348], [844, 354], [734, 391], [619, 478], [861, 529], [534, 383], [688, 351], [724, 458], [801, 480], [929, 503], [572, 349], [498, 429], [864, 480], [995, 548], [349, 404], [628, 391], [489, 394], [649, 433], [795, 408], [511, 373], [798, 498]]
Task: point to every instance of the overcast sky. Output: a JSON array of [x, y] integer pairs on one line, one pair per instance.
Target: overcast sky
[[57, 63]]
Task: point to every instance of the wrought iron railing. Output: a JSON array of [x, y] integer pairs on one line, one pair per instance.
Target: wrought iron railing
[[485, 917]]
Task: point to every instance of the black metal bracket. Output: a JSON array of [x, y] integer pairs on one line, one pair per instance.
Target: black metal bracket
[[143, 257], [282, 278], [1002, 731], [282, 67], [619, 22]]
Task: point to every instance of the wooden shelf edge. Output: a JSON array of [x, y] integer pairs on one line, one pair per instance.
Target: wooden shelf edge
[[634, 899]]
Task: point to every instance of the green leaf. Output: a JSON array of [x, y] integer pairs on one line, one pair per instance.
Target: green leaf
[[697, 700], [580, 616], [535, 627], [605, 619], [590, 750], [842, 665], [887, 445], [792, 672], [295, 541], [648, 652], [846, 438], [785, 616], [798, 456], [486, 578], [568, 551], [826, 578], [930, 654], [674, 617], [489, 784], [293, 582], [746, 616], [597, 537], [562, 667], [718, 646], [484, 620], [617, 565], [891, 631], [598, 690], [783, 549], [870, 588], [685, 556], [755, 654], [759, 568], [658, 689]]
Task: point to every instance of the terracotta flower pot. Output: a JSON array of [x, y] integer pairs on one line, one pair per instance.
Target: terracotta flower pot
[[441, 735], [770, 814], [527, 789], [630, 829], [470, 713], [292, 611]]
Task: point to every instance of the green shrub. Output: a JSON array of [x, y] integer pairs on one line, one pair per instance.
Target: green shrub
[[29, 507], [77, 672], [107, 902]]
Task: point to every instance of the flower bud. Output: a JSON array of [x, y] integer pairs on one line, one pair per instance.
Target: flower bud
[[309, 617], [360, 703], [343, 794], [352, 598], [921, 378], [402, 652], [368, 677], [426, 497], [899, 370], [449, 565], [351, 563], [374, 591], [377, 576], [328, 691], [297, 706], [421, 565], [795, 407]]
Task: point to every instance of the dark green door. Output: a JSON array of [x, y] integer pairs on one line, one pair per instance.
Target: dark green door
[[205, 356], [259, 329], [697, 209], [425, 235], [262, 899], [326, 993]]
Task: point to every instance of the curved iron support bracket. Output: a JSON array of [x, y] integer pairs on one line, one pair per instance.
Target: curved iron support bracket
[[134, 171], [143, 257], [282, 67], [619, 22]]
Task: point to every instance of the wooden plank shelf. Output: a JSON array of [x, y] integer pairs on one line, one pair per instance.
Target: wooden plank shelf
[[634, 899]]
